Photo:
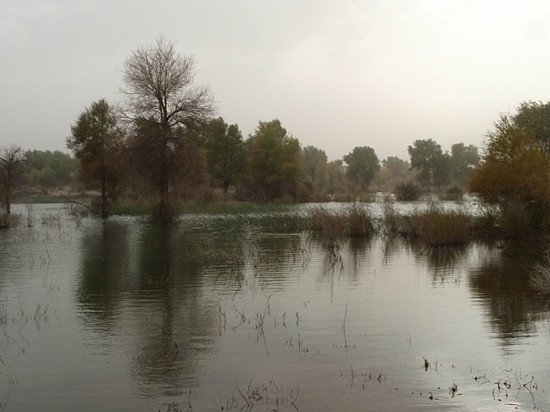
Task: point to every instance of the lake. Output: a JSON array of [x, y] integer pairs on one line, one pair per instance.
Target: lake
[[214, 313]]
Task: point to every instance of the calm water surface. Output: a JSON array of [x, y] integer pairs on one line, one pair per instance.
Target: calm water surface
[[212, 314]]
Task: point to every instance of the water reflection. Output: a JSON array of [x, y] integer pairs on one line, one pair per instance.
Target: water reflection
[[444, 263], [152, 303], [170, 324], [500, 282], [103, 268]]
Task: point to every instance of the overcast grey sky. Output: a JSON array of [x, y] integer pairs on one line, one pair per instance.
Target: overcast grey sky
[[337, 74]]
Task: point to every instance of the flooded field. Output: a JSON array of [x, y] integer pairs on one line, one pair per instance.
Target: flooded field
[[217, 314]]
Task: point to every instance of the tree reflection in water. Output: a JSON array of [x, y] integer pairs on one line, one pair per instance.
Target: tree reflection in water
[[165, 292], [500, 281]]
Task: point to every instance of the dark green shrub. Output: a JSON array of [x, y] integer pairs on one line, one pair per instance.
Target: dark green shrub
[[407, 192]]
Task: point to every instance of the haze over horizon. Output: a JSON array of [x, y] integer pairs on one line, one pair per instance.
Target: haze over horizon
[[336, 74]]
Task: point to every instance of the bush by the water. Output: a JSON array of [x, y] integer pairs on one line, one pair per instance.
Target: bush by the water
[[407, 192]]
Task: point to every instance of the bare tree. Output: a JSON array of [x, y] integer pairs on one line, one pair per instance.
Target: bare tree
[[160, 91], [10, 159]]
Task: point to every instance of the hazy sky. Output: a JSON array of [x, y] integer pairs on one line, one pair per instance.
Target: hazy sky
[[337, 74]]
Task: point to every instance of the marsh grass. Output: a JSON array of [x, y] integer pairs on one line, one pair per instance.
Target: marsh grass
[[333, 226], [438, 227], [391, 221], [539, 278], [271, 395], [486, 223], [435, 225]]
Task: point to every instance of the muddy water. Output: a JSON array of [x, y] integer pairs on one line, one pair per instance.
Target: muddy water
[[126, 315]]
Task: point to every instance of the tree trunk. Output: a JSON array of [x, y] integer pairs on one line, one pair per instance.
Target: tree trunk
[[7, 200], [7, 190], [104, 211], [164, 214]]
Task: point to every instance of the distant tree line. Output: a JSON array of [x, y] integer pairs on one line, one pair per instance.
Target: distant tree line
[[165, 143]]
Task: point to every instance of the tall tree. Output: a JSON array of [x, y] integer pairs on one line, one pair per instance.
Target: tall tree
[[225, 151], [275, 162], [315, 161], [426, 158], [513, 168], [464, 159], [335, 181], [96, 141], [11, 158], [363, 165], [160, 91], [393, 172]]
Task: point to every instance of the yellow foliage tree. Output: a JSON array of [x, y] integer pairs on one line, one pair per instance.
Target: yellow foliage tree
[[513, 167]]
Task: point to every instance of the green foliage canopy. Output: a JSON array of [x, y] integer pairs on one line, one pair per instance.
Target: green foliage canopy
[[463, 159], [534, 118], [225, 151], [95, 140], [49, 170], [363, 165], [426, 158], [513, 167], [275, 162]]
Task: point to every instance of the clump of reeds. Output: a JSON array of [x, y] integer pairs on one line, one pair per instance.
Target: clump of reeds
[[327, 227], [333, 227], [437, 226], [360, 220], [539, 279], [485, 224], [391, 221]]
